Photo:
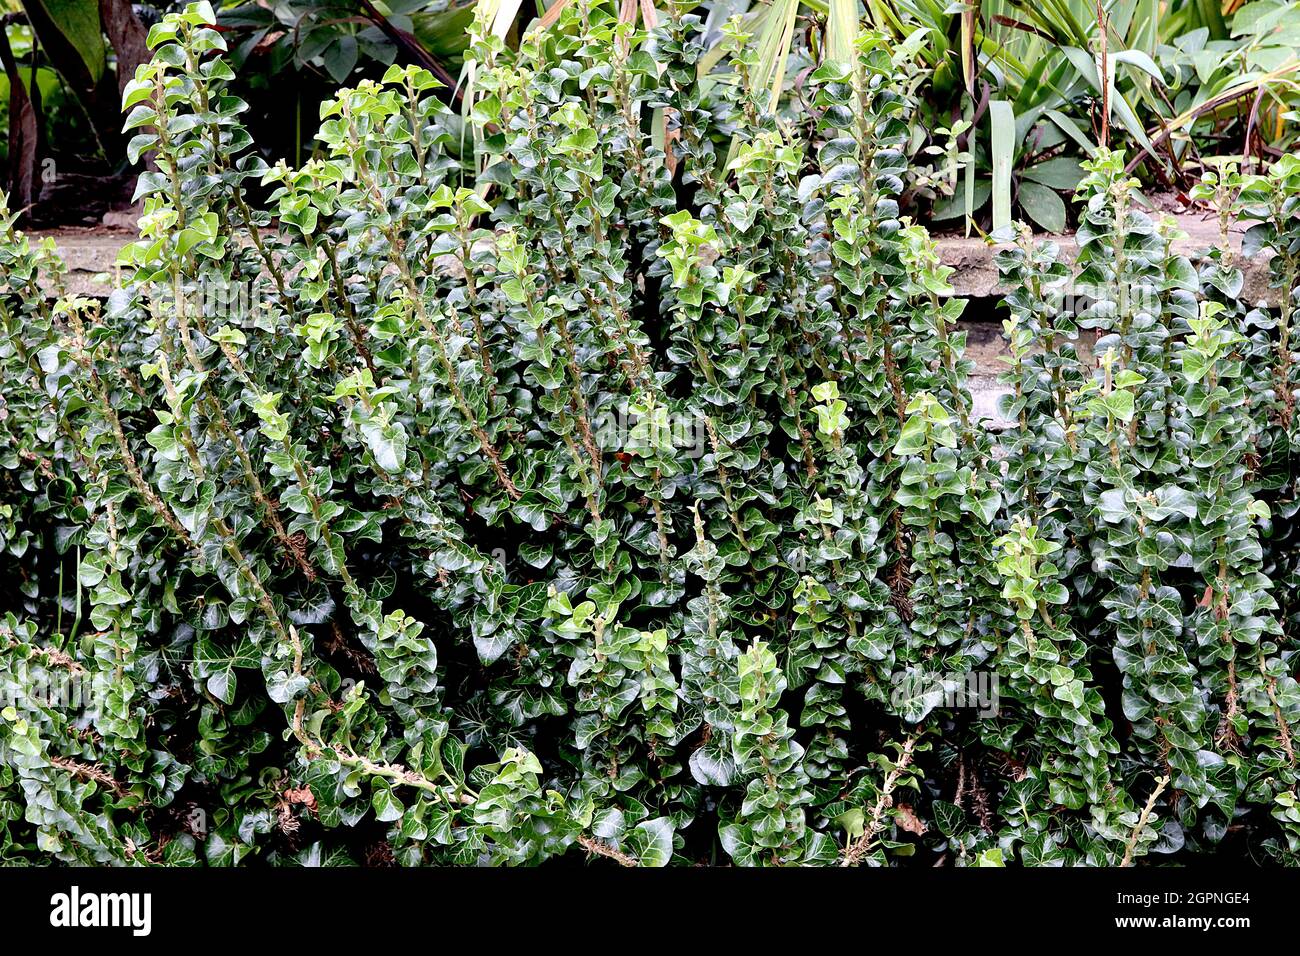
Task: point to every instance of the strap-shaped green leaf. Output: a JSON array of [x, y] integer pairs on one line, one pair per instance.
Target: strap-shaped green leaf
[[1002, 121], [78, 23]]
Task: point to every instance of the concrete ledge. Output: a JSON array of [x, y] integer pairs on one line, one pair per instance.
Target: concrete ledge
[[975, 274], [91, 251], [87, 251]]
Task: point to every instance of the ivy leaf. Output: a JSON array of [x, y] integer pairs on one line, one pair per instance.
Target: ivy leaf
[[713, 765], [386, 805], [284, 687], [221, 684], [651, 842]]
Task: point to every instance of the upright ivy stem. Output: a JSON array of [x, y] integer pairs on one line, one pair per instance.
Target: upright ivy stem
[[396, 252], [856, 851], [489, 450], [471, 292], [217, 415]]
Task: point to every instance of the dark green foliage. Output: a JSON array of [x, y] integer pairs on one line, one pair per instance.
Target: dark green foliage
[[632, 504]]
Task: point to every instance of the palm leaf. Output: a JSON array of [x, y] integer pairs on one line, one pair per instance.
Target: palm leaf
[[841, 29], [774, 48]]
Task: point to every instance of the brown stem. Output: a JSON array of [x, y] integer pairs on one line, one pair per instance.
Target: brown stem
[[1142, 821]]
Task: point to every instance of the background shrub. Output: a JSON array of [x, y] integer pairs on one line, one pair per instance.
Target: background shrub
[[635, 505]]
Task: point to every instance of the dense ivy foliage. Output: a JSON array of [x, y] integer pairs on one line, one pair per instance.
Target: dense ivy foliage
[[635, 506]]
